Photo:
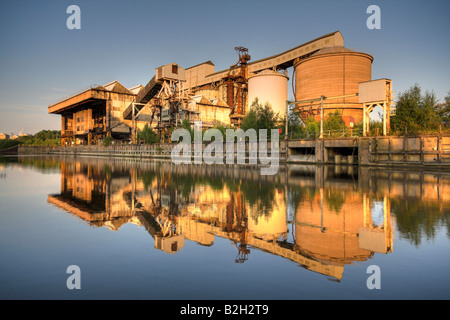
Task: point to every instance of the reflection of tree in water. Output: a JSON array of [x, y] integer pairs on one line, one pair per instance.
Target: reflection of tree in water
[[187, 183], [297, 194], [260, 196], [147, 178], [334, 199], [416, 218], [8, 160], [44, 165], [106, 170]]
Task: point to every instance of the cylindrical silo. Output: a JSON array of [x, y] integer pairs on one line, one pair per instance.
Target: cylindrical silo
[[331, 72], [269, 86]]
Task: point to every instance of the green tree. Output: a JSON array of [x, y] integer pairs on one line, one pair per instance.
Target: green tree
[[376, 127], [267, 118], [185, 124], [334, 122], [45, 135], [250, 120], [42, 138], [223, 129], [107, 141], [148, 135], [312, 127], [416, 112], [443, 110], [260, 117], [295, 125], [8, 143]]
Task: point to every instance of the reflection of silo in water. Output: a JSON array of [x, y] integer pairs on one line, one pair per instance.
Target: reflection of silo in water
[[330, 233], [270, 224], [269, 86]]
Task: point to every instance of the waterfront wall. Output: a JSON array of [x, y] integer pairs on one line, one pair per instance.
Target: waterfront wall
[[390, 150], [415, 150], [157, 151]]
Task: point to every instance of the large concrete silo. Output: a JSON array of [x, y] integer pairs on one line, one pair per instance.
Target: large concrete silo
[[331, 72], [269, 86]]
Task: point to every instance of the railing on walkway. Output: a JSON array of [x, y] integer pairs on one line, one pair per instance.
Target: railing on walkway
[[312, 135]]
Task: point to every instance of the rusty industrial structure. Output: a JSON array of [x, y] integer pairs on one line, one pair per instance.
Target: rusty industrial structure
[[326, 78]]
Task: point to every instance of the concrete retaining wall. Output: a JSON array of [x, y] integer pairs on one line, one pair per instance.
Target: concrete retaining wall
[[420, 150], [392, 150], [162, 151]]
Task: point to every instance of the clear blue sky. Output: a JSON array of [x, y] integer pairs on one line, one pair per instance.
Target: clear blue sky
[[42, 61]]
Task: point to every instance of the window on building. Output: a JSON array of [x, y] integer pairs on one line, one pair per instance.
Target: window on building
[[174, 69]]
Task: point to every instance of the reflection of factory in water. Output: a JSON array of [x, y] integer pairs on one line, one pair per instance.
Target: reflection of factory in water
[[332, 222], [95, 194]]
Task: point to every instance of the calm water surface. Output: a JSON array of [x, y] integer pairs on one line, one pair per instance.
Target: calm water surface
[[153, 230]]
